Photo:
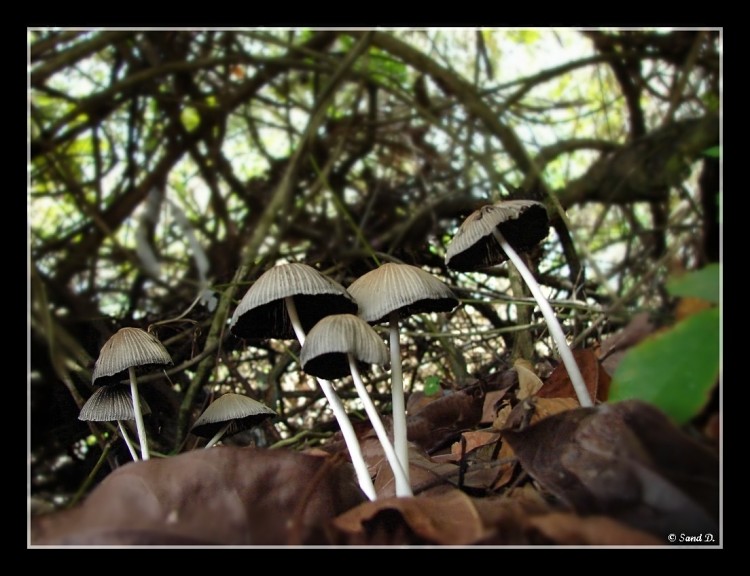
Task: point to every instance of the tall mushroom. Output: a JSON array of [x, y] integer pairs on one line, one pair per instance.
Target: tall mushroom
[[498, 232], [130, 348], [333, 349], [228, 415], [387, 294], [287, 301], [113, 403]]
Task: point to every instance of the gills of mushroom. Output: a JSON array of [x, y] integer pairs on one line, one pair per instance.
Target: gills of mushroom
[[333, 349], [285, 302], [113, 403], [228, 415], [387, 294], [498, 232], [127, 350]]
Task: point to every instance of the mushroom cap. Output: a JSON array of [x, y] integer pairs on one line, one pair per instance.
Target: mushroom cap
[[128, 347], [523, 223], [326, 347], [241, 410], [262, 311], [402, 287], [109, 403]]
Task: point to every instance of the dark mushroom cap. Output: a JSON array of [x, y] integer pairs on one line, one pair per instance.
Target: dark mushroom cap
[[128, 347], [523, 223], [243, 412], [110, 403], [262, 314], [326, 347], [402, 287]]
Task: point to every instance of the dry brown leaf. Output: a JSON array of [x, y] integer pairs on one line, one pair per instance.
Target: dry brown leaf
[[418, 400], [491, 406], [221, 496], [425, 474], [528, 382], [544, 407], [573, 530], [690, 305], [473, 441], [440, 422], [597, 380], [448, 519], [505, 517], [508, 461], [502, 417], [625, 460]]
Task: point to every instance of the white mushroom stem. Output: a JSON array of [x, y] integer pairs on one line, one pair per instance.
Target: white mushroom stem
[[347, 430], [125, 437], [555, 330], [138, 414], [398, 470], [403, 487], [218, 435]]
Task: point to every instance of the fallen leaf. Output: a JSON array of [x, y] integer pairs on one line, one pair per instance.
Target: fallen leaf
[[448, 519], [491, 405], [597, 380], [220, 496], [425, 474], [528, 382], [474, 440], [624, 460], [572, 530], [440, 422], [502, 417]]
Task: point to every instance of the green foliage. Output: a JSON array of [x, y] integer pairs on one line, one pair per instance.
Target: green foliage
[[713, 152], [190, 118], [431, 385], [703, 284], [677, 369]]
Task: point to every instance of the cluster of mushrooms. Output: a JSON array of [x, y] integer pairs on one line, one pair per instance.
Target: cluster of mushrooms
[[334, 326]]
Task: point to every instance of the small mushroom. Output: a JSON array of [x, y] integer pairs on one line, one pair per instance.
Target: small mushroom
[[263, 312], [333, 349], [497, 232], [130, 348], [228, 415], [286, 301], [110, 403], [389, 293]]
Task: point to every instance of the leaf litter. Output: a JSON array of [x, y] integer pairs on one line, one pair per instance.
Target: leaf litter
[[502, 461]]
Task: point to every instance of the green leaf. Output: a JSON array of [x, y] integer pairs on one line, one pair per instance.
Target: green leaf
[[713, 152], [703, 284], [674, 370], [431, 385], [190, 118]]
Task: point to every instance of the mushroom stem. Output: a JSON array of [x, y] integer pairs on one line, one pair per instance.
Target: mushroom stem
[[555, 330], [347, 430], [403, 486], [398, 470], [125, 437], [138, 414], [218, 435]]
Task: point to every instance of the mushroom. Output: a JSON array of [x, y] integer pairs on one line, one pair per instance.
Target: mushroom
[[497, 232], [110, 403], [127, 349], [228, 415], [389, 293], [286, 301], [332, 350]]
